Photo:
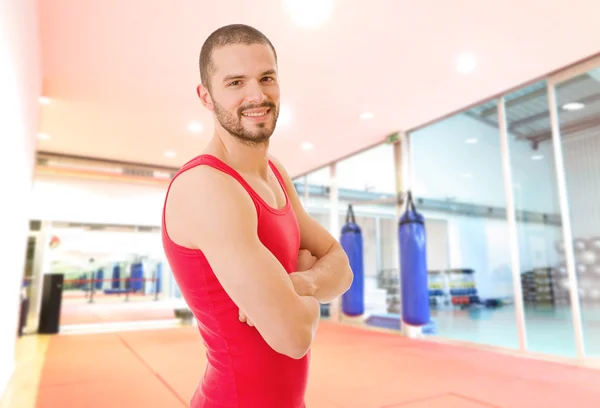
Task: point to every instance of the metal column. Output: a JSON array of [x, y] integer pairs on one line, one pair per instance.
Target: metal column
[[335, 310], [566, 221], [513, 236]]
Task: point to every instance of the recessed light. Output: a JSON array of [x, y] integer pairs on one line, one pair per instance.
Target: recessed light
[[367, 115], [472, 140], [309, 14], [44, 100], [467, 175], [307, 146], [43, 136], [170, 154], [537, 157], [466, 63], [195, 127], [573, 106]]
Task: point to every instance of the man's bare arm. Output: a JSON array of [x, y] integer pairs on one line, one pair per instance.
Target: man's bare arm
[[331, 276], [210, 211]]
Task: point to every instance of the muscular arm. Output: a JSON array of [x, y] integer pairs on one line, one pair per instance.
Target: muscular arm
[[331, 276], [220, 219]]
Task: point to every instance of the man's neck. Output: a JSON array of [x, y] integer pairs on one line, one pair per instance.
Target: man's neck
[[242, 156]]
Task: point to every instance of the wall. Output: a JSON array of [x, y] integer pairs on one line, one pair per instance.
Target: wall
[[96, 201], [20, 86]]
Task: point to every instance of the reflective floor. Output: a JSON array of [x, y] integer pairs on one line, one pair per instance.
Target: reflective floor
[[549, 330], [351, 367]]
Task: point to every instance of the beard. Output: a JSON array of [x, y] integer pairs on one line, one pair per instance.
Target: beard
[[261, 132]]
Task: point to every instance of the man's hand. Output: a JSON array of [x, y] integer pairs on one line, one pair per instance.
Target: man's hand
[[306, 260], [303, 285]]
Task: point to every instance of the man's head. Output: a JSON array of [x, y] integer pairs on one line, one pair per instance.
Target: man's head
[[238, 72]]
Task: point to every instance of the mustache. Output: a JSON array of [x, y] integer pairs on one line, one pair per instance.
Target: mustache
[[262, 105]]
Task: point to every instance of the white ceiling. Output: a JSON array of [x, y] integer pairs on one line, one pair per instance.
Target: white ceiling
[[122, 75]]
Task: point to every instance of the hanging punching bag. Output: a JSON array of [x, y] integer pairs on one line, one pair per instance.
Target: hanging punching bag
[[116, 277], [413, 266], [353, 301], [100, 279]]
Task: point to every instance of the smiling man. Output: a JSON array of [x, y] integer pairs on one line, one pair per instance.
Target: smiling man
[[252, 265]]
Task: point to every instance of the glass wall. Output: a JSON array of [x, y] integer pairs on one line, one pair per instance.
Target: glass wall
[[578, 106], [468, 172], [548, 323], [458, 182], [367, 182], [112, 274]]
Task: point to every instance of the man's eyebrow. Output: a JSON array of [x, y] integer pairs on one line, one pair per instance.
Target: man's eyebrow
[[232, 77]]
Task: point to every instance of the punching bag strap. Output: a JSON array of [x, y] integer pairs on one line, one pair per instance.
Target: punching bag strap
[[350, 215], [410, 202]]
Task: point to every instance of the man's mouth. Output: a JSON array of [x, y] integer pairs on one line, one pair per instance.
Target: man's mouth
[[256, 113]]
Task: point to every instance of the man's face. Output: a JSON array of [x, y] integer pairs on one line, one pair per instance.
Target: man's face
[[245, 91]]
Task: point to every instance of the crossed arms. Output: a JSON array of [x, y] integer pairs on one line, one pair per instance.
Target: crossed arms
[[283, 308]]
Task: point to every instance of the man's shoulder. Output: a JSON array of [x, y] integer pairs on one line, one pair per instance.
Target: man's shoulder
[[204, 182]]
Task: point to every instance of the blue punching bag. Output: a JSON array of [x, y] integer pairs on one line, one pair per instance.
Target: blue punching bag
[[413, 266], [99, 279], [116, 277], [353, 301]]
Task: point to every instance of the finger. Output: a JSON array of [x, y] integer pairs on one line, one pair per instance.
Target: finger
[[242, 317]]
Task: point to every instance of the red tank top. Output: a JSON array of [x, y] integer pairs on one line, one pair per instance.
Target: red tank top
[[242, 371]]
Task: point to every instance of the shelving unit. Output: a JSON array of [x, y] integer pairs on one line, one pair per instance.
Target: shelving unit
[[544, 287], [452, 287]]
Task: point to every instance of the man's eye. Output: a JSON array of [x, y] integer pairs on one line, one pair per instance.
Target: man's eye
[[234, 83], [267, 79]]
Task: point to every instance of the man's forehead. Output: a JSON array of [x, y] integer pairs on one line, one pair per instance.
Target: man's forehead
[[249, 58]]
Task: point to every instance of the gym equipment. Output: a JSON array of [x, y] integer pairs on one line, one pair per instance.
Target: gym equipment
[[116, 277], [99, 279], [394, 321], [353, 301], [136, 275], [158, 282], [52, 290], [413, 266]]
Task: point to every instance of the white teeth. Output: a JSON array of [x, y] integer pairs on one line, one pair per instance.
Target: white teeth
[[255, 114]]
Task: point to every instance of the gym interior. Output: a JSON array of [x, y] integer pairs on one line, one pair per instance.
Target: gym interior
[[508, 184]]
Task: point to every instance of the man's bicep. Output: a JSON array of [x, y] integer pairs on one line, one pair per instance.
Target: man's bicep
[[313, 236]]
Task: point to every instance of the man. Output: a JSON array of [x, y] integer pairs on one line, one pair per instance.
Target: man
[[239, 243]]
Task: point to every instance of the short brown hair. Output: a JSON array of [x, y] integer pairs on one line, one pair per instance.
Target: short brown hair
[[228, 35]]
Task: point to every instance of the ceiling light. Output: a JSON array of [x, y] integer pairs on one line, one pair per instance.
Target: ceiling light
[[537, 157], [44, 100], [170, 154], [195, 127], [306, 146], [43, 136], [467, 175], [472, 140], [367, 115], [573, 106], [466, 63], [309, 13], [285, 115]]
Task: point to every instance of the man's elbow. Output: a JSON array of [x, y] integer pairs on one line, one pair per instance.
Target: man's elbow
[[346, 275], [297, 343]]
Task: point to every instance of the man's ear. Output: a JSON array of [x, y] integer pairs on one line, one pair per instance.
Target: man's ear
[[204, 96]]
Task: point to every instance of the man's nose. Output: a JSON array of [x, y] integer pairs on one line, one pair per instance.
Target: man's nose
[[254, 93]]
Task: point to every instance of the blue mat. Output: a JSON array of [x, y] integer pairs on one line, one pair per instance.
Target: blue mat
[[393, 321]]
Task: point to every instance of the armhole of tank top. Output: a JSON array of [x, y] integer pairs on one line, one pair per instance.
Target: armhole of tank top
[[199, 161], [215, 163]]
